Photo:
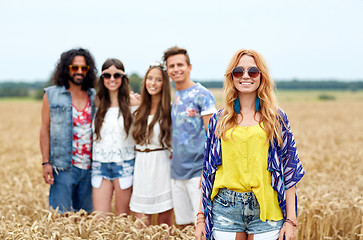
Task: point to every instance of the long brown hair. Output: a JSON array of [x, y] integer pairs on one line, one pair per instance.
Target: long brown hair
[[270, 116], [143, 133], [103, 97]]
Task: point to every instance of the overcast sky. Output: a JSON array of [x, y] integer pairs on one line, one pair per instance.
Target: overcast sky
[[300, 39]]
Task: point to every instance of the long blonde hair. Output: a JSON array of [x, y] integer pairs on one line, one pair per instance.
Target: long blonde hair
[[270, 116]]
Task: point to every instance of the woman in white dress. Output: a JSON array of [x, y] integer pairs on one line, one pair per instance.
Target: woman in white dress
[[152, 134], [113, 146]]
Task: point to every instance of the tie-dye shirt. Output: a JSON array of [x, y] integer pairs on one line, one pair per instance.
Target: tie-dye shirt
[[82, 136], [188, 108]]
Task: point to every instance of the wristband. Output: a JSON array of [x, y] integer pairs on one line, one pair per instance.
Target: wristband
[[202, 221], [200, 213], [45, 163], [291, 222]]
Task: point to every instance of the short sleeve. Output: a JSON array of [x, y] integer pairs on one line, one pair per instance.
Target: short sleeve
[[208, 103]]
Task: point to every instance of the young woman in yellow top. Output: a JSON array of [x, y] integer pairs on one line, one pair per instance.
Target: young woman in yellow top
[[251, 165]]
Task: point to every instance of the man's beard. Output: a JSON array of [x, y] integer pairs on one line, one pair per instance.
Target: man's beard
[[78, 81]]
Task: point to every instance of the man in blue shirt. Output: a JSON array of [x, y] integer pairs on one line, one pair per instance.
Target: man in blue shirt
[[192, 108]]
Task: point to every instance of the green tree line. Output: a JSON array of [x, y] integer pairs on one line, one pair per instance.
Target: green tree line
[[303, 85], [35, 89]]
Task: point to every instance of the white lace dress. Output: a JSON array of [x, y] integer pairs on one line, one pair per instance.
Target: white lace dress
[[152, 191]]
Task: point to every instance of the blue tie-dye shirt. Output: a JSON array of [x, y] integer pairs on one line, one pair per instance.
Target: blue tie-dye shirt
[[189, 134]]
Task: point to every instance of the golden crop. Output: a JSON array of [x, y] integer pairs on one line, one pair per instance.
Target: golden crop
[[329, 136]]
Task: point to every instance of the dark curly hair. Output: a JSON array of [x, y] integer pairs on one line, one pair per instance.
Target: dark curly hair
[[61, 75], [104, 99]]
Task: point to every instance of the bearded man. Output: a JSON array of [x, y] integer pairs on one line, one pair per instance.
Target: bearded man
[[66, 132]]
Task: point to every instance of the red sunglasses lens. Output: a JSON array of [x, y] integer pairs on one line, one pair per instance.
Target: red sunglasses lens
[[75, 68], [237, 72], [84, 69], [253, 72]]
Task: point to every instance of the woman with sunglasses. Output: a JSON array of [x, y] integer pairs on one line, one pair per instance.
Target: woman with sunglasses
[[251, 166], [152, 184], [113, 146]]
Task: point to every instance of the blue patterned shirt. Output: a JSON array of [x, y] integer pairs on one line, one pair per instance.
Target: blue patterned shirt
[[283, 163], [188, 108]]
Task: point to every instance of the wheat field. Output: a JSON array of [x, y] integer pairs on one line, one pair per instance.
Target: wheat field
[[328, 134]]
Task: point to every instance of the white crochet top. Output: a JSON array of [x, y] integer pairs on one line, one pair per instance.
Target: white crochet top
[[113, 145]]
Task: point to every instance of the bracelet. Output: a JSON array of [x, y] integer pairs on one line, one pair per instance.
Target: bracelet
[[202, 221], [291, 222], [200, 213], [45, 163]]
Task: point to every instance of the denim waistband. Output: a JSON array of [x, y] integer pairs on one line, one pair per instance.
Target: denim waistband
[[235, 196]]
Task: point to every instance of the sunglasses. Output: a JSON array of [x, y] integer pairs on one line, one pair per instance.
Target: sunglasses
[[238, 72], [116, 76], [75, 68]]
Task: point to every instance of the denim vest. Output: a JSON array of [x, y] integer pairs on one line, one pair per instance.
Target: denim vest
[[61, 123]]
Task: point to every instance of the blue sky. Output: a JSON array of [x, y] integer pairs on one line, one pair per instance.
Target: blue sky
[[300, 39]]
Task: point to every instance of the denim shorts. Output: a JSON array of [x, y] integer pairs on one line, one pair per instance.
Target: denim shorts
[[112, 170], [239, 212]]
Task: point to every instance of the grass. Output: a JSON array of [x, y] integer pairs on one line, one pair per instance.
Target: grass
[[294, 96], [318, 95], [18, 99]]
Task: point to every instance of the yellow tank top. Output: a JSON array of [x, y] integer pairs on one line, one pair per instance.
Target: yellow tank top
[[244, 169]]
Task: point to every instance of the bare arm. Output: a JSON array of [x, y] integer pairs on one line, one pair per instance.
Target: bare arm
[[290, 204], [288, 229], [200, 221], [44, 139], [206, 120], [97, 102]]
